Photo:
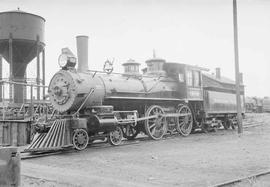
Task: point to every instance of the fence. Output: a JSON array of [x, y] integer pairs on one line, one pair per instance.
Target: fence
[[33, 101]]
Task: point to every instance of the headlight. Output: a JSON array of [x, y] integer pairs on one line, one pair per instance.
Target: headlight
[[63, 60], [67, 59]]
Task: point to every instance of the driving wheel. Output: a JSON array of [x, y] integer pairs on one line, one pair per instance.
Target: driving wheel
[[155, 127], [184, 123]]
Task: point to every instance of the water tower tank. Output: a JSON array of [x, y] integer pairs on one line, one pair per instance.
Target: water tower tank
[[21, 40]]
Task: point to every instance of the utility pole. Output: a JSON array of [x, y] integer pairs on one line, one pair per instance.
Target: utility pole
[[236, 59]]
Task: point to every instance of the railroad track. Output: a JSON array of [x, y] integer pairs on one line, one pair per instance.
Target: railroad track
[[96, 145], [27, 155], [104, 144], [252, 124], [241, 179]]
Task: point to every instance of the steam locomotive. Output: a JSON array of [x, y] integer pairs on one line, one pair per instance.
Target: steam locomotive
[[167, 98]]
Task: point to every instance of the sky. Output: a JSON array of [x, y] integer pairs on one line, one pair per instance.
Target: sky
[[195, 32]]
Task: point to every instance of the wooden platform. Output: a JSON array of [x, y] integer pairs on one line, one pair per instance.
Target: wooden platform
[[15, 132]]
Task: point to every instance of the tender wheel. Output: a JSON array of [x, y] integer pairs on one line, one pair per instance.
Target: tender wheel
[[116, 136], [80, 139], [156, 127], [130, 132], [184, 124]]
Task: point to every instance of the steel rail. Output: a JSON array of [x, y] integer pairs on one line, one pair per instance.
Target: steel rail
[[240, 179], [27, 155]]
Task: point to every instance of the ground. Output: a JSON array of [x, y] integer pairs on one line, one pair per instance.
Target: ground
[[197, 160]]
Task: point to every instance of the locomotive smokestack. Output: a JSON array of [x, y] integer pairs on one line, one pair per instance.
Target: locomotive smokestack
[[218, 74], [82, 53]]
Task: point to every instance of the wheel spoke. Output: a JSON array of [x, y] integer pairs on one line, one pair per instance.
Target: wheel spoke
[[150, 127], [185, 126], [152, 120], [182, 123], [153, 131]]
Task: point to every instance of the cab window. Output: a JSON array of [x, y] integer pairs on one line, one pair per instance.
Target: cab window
[[181, 77], [189, 78], [196, 78]]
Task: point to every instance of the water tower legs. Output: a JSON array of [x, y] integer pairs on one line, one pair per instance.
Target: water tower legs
[[10, 53], [38, 70], [1, 85], [25, 88], [43, 72]]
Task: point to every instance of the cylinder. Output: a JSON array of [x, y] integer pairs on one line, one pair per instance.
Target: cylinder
[[82, 53]]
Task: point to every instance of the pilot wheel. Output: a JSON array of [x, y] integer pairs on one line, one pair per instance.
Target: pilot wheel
[[116, 136], [80, 139]]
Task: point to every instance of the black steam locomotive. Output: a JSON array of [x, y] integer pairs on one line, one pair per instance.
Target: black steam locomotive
[[167, 98]]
